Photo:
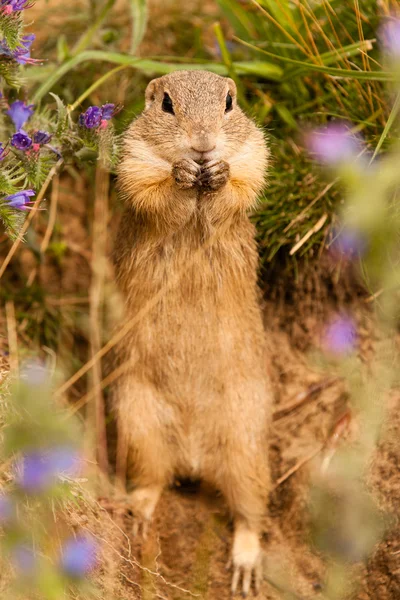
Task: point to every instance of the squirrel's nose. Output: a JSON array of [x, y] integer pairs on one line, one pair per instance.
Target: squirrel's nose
[[202, 148], [203, 143]]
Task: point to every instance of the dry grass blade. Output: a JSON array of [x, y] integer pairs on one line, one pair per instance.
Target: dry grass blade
[[96, 294], [298, 465], [304, 397], [318, 225]]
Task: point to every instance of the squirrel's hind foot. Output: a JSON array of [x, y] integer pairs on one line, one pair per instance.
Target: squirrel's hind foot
[[143, 502], [246, 562]]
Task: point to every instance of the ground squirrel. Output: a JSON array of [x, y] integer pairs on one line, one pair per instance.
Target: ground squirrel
[[195, 398]]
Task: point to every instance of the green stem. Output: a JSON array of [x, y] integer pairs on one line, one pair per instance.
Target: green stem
[[343, 73], [227, 60], [393, 115], [87, 37], [95, 85]]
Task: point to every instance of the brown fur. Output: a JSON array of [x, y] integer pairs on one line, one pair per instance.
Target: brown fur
[[196, 400]]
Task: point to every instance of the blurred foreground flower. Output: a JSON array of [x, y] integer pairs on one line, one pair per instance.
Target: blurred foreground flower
[[21, 140], [19, 112], [389, 35], [340, 336], [38, 470], [24, 559], [79, 556], [334, 144], [349, 242], [20, 200]]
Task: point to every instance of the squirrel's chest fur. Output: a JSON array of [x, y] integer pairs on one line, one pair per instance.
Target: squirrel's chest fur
[[198, 301]]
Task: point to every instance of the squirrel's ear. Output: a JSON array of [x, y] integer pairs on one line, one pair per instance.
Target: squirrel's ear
[[232, 87], [150, 92]]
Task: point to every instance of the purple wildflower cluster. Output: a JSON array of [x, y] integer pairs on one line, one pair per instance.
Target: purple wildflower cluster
[[79, 556], [30, 143], [96, 116], [340, 336], [10, 6], [22, 54], [38, 470]]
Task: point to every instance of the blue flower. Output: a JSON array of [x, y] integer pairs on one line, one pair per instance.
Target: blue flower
[[79, 556], [24, 559], [334, 144], [21, 140], [349, 242], [41, 137], [19, 112], [21, 54], [390, 37], [91, 118], [340, 336], [107, 111], [39, 469], [20, 200]]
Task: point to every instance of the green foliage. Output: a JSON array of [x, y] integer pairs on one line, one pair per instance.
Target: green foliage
[[330, 69], [9, 72], [140, 16], [11, 29]]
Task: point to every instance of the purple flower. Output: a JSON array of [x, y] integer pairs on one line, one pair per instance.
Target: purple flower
[[349, 242], [20, 199], [389, 35], [333, 144], [65, 460], [7, 509], [19, 113], [91, 118], [14, 5], [24, 559], [340, 336], [41, 137], [34, 372], [107, 111], [39, 469], [21, 54], [21, 140], [79, 556]]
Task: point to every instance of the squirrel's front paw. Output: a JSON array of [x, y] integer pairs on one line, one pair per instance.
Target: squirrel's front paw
[[185, 172], [214, 174]]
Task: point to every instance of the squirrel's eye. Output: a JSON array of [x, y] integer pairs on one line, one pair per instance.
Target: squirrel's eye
[[228, 106], [167, 104]]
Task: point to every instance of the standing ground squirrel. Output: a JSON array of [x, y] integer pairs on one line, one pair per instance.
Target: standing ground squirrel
[[195, 398]]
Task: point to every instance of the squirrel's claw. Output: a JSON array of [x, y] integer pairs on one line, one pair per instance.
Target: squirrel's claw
[[185, 172], [214, 174]]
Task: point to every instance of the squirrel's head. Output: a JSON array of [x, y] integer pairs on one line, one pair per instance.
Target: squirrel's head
[[194, 114]]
